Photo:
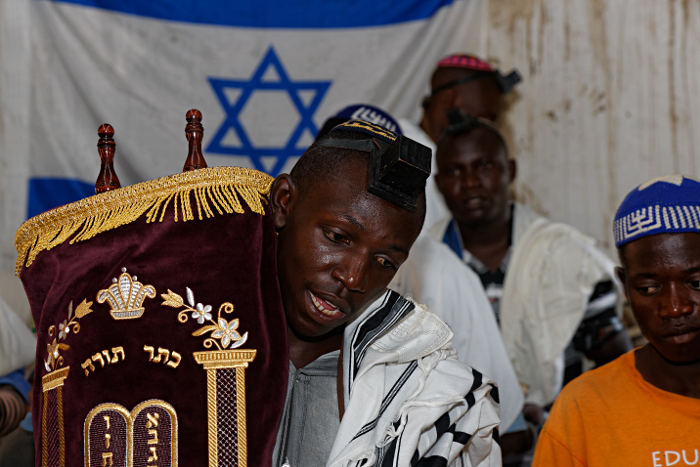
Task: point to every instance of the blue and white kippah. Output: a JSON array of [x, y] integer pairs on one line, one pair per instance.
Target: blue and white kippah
[[372, 114], [666, 204]]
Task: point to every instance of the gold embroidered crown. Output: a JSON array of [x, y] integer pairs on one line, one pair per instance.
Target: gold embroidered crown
[[126, 296]]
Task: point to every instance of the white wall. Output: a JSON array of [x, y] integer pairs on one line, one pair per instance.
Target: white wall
[[609, 99]]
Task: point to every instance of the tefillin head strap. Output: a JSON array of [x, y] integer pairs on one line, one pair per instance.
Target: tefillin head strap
[[505, 82], [398, 166], [461, 123]]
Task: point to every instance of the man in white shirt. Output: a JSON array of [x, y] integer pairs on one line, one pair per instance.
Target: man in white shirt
[[551, 289]]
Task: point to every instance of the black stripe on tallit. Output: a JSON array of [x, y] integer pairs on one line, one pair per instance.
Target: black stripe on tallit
[[442, 424], [389, 453], [394, 308], [478, 380], [432, 461], [476, 384], [471, 400], [415, 458], [494, 393], [459, 436], [374, 321], [388, 398], [386, 455]]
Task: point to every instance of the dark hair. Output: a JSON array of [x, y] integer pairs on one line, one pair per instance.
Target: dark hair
[[461, 124], [329, 163], [329, 125], [324, 162]]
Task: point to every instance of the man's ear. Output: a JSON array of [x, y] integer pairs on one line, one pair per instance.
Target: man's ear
[[283, 195], [435, 116], [620, 272]]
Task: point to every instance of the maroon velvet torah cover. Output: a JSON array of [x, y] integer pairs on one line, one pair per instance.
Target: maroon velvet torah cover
[[161, 333]]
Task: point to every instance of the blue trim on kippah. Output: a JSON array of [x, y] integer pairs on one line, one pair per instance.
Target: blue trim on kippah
[[372, 114], [361, 126], [669, 204]]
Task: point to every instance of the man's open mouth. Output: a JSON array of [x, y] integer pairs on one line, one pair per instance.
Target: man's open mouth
[[324, 307]]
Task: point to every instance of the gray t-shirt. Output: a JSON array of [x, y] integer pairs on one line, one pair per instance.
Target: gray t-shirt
[[310, 419]]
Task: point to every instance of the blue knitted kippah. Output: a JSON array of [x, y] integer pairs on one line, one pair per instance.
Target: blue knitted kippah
[[370, 113], [666, 204]]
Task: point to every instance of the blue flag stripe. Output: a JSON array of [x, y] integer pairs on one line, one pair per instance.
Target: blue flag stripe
[[308, 14], [48, 193]]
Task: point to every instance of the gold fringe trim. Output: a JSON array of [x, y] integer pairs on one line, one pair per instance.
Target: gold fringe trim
[[216, 190]]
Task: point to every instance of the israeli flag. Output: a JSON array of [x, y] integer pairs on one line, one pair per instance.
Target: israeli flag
[[265, 74]]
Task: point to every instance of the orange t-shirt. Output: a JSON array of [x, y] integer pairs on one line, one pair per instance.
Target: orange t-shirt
[[612, 417]]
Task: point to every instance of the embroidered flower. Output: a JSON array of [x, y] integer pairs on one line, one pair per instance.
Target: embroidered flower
[[226, 332], [54, 355], [202, 313], [63, 330]]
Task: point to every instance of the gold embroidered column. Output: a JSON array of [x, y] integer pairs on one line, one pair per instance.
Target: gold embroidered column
[[226, 405], [53, 442]]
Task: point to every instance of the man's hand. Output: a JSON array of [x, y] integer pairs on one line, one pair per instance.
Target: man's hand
[[517, 442], [521, 441]]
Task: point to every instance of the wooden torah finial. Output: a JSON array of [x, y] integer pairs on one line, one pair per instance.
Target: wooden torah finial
[[107, 180], [194, 132]]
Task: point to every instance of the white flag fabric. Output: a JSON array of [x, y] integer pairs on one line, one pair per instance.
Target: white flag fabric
[[264, 74]]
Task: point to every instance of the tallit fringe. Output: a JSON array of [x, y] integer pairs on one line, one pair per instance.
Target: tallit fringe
[[215, 190]]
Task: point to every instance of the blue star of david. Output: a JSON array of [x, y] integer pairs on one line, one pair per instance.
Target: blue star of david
[[247, 88]]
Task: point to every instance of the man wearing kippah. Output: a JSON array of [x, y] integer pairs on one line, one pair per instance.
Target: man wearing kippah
[[644, 407], [550, 288], [434, 276], [460, 81], [373, 378], [368, 113], [220, 317]]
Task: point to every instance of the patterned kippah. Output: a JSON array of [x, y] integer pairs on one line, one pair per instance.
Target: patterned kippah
[[666, 204], [482, 69], [468, 61], [361, 126], [370, 113]]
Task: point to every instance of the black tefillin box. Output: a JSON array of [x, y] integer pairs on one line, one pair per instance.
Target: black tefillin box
[[398, 172]]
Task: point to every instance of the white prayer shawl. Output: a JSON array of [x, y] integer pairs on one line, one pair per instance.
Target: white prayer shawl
[[17, 343], [551, 275], [408, 401], [434, 275]]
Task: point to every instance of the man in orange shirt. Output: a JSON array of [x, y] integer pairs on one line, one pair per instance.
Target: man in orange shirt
[[643, 409]]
